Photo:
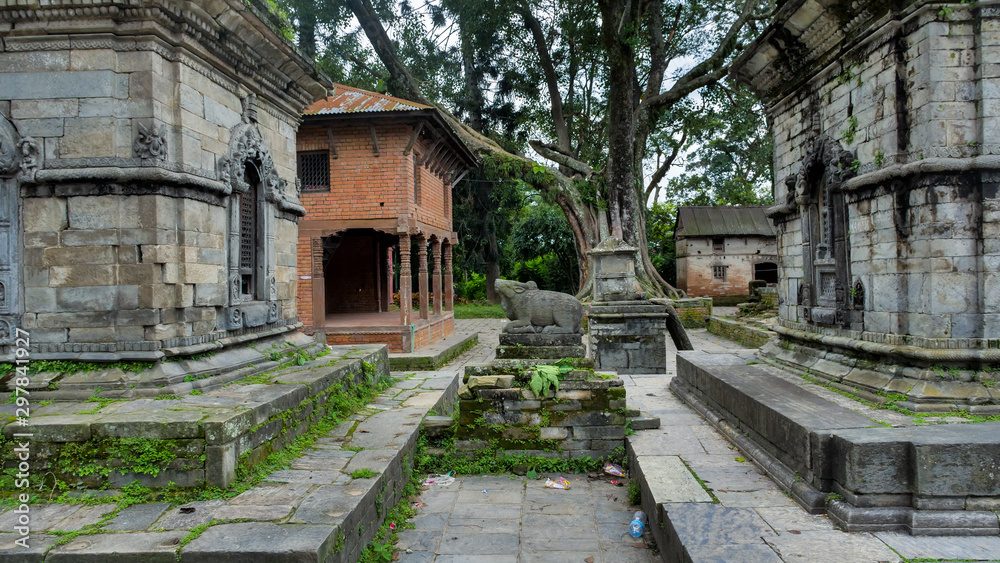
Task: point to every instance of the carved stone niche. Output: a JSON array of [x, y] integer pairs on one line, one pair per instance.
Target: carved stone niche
[[255, 189], [19, 160], [825, 250]]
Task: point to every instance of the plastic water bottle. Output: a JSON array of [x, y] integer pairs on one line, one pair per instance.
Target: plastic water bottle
[[638, 524]]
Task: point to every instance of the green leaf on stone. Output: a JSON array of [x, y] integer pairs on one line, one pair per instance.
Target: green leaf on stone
[[545, 377]]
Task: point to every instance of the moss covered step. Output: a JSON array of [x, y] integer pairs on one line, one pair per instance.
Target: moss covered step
[[190, 440]]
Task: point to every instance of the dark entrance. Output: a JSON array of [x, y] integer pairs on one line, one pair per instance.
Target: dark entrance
[[766, 271]]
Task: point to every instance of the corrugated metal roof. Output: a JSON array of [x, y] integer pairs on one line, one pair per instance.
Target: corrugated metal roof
[[345, 99], [697, 221]]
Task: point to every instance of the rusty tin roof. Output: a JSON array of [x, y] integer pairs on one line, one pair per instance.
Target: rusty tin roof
[[702, 221], [344, 99]]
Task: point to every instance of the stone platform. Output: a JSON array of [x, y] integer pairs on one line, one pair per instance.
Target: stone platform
[[741, 514], [312, 511], [217, 364], [435, 354], [196, 440], [924, 480]]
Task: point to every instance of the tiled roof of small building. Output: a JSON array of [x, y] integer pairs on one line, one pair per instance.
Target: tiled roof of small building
[[698, 221], [345, 99]]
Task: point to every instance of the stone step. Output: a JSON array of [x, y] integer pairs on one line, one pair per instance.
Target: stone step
[[434, 426], [643, 422], [886, 479], [435, 355], [311, 512]]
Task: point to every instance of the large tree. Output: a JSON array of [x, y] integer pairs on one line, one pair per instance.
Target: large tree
[[634, 60]]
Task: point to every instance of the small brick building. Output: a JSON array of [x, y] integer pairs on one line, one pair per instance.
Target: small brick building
[[376, 176], [720, 249]]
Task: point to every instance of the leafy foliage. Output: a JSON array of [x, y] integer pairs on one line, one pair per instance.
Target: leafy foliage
[[545, 377]]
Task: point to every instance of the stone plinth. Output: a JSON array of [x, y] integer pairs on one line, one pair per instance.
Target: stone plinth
[[627, 332], [540, 346], [927, 480], [191, 440], [584, 418]]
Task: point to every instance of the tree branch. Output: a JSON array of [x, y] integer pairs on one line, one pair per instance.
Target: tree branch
[[563, 158], [654, 181], [708, 71], [551, 80]]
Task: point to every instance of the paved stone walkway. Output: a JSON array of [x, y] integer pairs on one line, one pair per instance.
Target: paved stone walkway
[[501, 519]]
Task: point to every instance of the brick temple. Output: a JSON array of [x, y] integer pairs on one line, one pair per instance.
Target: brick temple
[[377, 174]]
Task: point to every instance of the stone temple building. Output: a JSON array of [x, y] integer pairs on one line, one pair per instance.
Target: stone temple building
[[147, 159], [377, 174], [721, 249], [886, 124]]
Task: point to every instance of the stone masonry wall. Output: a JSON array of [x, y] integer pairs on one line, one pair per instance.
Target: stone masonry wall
[[125, 221], [585, 418], [916, 103]]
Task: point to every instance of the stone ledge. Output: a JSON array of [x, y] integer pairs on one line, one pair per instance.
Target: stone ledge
[[923, 480], [220, 427], [744, 334], [432, 359]]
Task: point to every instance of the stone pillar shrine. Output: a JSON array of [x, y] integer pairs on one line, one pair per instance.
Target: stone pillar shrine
[[627, 331], [886, 124], [147, 163]]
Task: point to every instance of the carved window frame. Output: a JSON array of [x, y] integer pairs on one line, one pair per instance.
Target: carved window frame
[[247, 148]]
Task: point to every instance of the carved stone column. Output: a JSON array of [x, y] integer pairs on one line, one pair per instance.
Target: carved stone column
[[436, 279], [422, 277], [449, 282], [405, 285], [318, 283]]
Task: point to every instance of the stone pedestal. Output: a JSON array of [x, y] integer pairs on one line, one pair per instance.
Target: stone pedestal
[[525, 346], [627, 331]]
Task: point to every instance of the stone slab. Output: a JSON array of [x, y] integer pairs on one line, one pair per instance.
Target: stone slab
[[264, 542], [815, 547], [154, 547], [938, 547], [669, 480], [136, 517]]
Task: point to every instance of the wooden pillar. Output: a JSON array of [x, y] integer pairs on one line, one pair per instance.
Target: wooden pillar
[[377, 264], [422, 277], [405, 285], [436, 279], [449, 282], [387, 296], [318, 284]]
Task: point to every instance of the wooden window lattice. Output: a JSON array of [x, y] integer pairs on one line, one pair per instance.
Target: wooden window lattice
[[719, 272], [314, 171], [248, 238]]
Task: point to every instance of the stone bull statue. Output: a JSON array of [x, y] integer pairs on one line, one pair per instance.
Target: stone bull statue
[[532, 310]]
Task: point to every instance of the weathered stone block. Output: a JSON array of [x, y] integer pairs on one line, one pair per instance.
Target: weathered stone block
[[44, 214], [599, 432]]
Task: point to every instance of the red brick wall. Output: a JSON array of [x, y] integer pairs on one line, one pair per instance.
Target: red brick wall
[[350, 276], [363, 186], [395, 341]]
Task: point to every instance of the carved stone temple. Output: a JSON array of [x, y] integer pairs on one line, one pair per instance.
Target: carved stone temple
[[886, 124], [147, 163]]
